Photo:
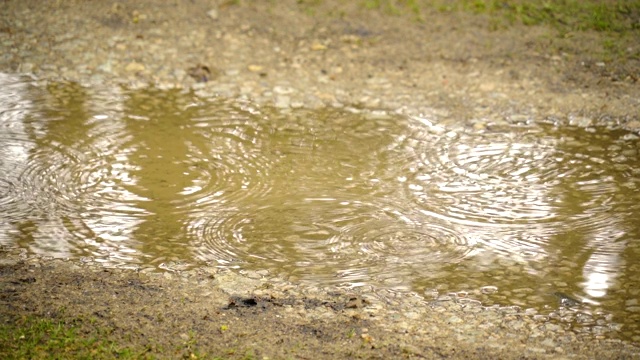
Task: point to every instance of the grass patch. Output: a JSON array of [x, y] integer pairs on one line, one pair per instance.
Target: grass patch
[[574, 15], [568, 15], [33, 338], [618, 21], [397, 7], [37, 338]]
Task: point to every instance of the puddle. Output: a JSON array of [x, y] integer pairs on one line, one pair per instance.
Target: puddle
[[509, 213]]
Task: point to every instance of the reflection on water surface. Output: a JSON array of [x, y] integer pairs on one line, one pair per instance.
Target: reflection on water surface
[[150, 177]]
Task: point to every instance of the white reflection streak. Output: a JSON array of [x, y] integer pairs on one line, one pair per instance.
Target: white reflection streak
[[45, 225], [14, 108], [601, 268], [114, 219]]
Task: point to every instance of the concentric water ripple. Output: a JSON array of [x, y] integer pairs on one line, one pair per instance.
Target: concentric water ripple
[[328, 211], [128, 168], [93, 169], [519, 185], [155, 177], [495, 178], [334, 240], [49, 168]]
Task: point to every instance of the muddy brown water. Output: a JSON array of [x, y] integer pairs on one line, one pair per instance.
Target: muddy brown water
[[508, 213]]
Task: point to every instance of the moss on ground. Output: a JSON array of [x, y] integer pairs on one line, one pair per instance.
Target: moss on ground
[[617, 23], [567, 15], [39, 338]]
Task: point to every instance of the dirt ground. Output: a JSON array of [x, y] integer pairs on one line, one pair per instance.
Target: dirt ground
[[324, 54], [321, 53], [215, 314]]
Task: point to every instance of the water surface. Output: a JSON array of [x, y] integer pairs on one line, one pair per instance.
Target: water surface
[[508, 211]]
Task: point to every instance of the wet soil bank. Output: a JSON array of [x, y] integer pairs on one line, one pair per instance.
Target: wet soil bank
[[452, 66], [209, 313]]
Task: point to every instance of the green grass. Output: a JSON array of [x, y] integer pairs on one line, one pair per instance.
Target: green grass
[[397, 7], [618, 21], [33, 338], [568, 15], [36, 338], [574, 15]]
